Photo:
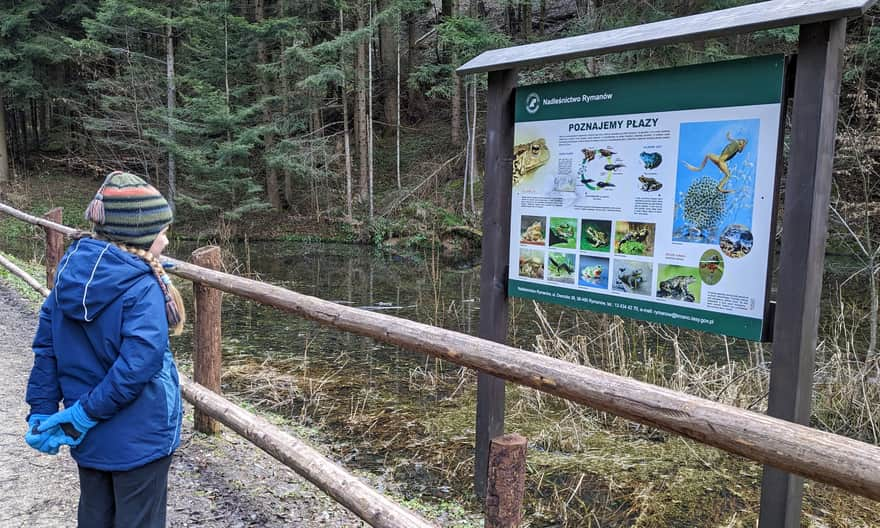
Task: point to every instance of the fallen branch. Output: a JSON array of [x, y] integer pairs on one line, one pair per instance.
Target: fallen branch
[[396, 203]]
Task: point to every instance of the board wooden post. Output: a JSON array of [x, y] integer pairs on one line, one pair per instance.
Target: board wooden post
[[493, 276], [802, 252], [207, 358], [54, 246], [507, 481]]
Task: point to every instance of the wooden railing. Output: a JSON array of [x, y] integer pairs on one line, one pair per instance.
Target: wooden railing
[[825, 457]]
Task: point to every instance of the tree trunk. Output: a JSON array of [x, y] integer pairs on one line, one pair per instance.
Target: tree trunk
[[447, 8], [35, 123], [415, 102], [388, 35], [285, 108], [272, 190], [4, 154], [361, 110], [343, 97], [397, 100], [543, 25], [169, 68], [456, 110], [370, 105], [525, 17]]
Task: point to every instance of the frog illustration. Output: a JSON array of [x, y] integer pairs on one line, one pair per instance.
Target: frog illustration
[[677, 288], [649, 184], [595, 237], [638, 233], [736, 241], [652, 160], [734, 147], [534, 234], [629, 279], [527, 158], [560, 265], [592, 273], [561, 233]]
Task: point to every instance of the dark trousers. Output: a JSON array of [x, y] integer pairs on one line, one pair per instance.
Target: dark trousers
[[124, 499]]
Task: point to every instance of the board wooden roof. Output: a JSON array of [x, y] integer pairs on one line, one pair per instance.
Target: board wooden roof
[[743, 19]]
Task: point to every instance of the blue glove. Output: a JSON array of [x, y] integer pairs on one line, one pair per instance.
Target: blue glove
[[74, 424], [43, 442]]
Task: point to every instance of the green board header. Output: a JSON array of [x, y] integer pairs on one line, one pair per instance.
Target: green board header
[[722, 84]]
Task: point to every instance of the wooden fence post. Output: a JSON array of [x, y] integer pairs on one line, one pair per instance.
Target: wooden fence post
[[802, 253], [54, 246], [207, 358], [498, 183], [507, 481]]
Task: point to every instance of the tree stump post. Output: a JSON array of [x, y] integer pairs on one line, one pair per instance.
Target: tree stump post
[[206, 336], [54, 246], [507, 481]]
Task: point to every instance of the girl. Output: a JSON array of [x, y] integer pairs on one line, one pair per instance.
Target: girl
[[102, 348]]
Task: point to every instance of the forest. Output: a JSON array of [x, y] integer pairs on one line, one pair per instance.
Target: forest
[[276, 124], [342, 115]]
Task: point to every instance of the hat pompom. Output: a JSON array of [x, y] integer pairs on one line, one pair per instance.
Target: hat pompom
[[95, 210]]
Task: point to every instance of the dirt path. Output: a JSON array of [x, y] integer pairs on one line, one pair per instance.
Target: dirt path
[[215, 482]]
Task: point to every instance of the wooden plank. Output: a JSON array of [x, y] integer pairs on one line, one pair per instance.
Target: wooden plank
[[822, 456], [802, 252], [207, 355], [742, 19], [496, 248]]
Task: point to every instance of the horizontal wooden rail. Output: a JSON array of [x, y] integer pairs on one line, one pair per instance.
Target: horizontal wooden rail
[[825, 457], [362, 500], [36, 220], [23, 275], [818, 455]]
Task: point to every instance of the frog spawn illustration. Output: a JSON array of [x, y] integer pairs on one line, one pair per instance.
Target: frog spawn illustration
[[706, 201]]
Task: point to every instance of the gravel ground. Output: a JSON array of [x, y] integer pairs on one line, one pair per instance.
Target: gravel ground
[[222, 481]]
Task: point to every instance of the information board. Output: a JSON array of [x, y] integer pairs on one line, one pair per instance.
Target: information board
[[650, 195]]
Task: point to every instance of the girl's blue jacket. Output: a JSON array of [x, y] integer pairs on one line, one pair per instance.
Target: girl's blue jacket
[[102, 339]]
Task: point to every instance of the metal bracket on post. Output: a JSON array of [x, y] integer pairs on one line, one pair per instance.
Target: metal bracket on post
[[802, 252], [496, 249]]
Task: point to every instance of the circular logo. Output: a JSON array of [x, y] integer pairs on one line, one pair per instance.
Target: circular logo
[[533, 103]]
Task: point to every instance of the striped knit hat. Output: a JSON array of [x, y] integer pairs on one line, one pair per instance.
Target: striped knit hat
[[128, 210]]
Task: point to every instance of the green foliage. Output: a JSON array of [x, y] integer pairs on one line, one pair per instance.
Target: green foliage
[[461, 38]]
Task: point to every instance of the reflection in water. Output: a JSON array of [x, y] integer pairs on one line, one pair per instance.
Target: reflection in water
[[340, 382]]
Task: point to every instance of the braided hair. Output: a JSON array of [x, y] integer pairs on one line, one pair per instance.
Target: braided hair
[[174, 309]]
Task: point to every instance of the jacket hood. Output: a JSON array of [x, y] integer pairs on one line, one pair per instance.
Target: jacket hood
[[92, 275]]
